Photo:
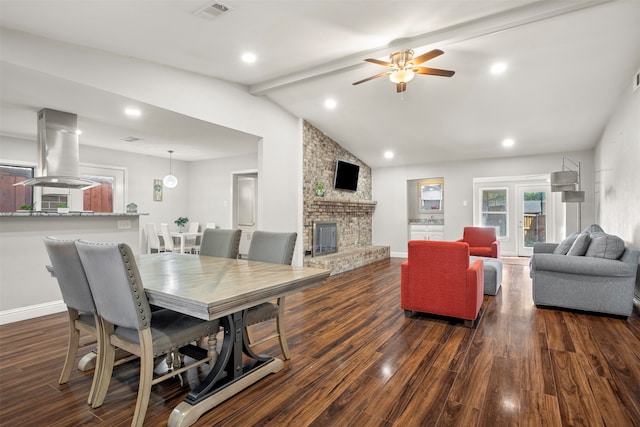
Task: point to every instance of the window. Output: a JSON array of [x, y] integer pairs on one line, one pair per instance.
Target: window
[[494, 210], [98, 199], [14, 197]]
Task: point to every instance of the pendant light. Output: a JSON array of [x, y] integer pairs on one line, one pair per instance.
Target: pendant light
[[170, 181]]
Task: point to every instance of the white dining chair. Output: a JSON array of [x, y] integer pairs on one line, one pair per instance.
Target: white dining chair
[[166, 237], [210, 225], [153, 241], [191, 244]]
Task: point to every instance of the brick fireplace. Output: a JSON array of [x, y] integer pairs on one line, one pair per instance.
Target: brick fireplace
[[351, 211]]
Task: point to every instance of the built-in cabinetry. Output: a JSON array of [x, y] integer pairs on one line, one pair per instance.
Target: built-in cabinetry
[[426, 232]]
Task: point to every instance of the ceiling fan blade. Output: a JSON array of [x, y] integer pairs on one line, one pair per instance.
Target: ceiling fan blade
[[433, 71], [386, 73], [377, 61], [401, 87], [426, 56]]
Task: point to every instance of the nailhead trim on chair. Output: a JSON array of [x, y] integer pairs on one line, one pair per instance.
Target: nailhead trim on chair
[[134, 285]]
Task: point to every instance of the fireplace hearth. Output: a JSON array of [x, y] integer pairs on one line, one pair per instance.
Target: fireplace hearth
[[325, 238]]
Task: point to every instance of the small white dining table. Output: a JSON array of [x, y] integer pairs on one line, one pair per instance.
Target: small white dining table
[[182, 236]]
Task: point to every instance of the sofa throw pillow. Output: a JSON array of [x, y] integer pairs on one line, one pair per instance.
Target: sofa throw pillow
[[579, 247], [565, 245], [605, 246], [593, 228]]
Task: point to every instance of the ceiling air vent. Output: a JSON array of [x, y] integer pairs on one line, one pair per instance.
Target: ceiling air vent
[[130, 139], [211, 10]]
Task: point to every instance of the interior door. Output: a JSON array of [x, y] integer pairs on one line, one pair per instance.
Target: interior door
[[245, 206], [535, 219]]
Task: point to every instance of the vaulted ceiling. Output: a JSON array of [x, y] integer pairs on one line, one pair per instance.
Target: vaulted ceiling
[[568, 63]]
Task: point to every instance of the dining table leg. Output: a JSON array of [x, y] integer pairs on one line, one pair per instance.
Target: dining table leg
[[228, 376]]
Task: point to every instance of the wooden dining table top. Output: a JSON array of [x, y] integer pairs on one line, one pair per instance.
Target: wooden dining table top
[[209, 287]]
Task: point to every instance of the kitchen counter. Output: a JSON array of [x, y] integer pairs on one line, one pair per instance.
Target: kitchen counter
[[427, 221], [26, 287]]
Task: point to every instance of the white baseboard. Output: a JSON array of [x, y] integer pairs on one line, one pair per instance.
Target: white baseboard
[[399, 255], [29, 312]]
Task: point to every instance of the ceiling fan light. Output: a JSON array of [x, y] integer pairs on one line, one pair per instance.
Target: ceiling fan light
[[402, 76]]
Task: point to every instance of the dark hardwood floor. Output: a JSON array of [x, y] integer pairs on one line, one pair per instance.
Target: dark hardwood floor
[[357, 361]]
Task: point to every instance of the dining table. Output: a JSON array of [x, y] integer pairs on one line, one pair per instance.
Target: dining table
[[221, 288], [181, 236]]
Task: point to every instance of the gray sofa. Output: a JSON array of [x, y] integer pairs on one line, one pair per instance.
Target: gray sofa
[[598, 274]]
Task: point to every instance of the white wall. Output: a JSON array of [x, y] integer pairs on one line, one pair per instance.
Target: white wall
[[617, 164], [210, 188], [390, 191]]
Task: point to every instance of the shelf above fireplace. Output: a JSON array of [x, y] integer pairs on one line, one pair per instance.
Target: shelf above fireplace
[[327, 201]]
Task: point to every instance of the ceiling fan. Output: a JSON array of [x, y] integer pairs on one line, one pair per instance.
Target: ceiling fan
[[404, 67]]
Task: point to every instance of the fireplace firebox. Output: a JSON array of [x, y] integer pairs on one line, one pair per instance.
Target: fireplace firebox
[[325, 238]]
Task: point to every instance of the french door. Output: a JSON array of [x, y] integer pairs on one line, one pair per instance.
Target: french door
[[521, 208], [534, 217]]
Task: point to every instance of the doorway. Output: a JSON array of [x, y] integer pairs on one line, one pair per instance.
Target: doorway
[[533, 213], [521, 208], [245, 207]]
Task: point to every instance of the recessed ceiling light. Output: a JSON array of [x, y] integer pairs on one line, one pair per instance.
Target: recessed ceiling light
[[498, 68], [388, 154], [508, 142], [132, 112], [78, 132], [249, 57], [330, 104]]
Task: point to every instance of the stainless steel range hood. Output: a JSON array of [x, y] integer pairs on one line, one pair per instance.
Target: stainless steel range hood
[[58, 152]]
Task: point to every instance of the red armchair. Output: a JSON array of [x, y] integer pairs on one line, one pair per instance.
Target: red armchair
[[482, 241], [437, 279]]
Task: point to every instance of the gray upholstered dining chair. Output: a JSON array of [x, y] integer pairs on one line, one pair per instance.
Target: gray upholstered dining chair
[[220, 243], [76, 294], [277, 248], [126, 321]]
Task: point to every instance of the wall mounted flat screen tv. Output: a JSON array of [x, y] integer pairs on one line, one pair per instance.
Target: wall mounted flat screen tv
[[346, 176]]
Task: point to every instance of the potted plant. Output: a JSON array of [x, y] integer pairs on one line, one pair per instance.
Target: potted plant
[[26, 208], [181, 222], [319, 189], [63, 208]]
